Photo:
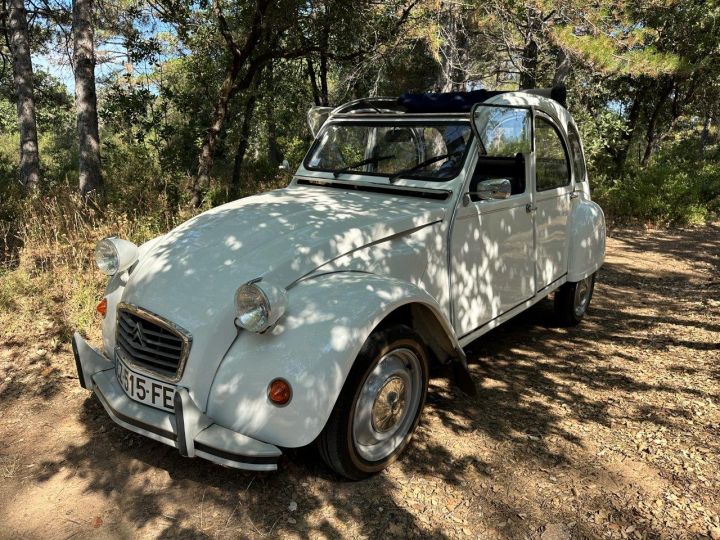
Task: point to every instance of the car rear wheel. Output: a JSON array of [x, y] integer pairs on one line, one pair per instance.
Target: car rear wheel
[[379, 406], [572, 300]]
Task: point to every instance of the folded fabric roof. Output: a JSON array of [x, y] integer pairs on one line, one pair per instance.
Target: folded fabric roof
[[444, 102]]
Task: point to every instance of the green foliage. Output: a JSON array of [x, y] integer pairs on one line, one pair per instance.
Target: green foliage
[[679, 187], [605, 53], [155, 109]]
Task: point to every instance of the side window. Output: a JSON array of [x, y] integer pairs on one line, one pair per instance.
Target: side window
[[551, 163], [504, 131], [577, 155]]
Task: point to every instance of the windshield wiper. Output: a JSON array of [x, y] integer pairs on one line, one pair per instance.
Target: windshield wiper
[[421, 165], [368, 161]]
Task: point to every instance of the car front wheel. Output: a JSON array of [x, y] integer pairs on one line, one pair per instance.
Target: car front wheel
[[572, 300], [379, 406]]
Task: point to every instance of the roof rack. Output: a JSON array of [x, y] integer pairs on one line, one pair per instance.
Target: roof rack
[[371, 104], [423, 103]]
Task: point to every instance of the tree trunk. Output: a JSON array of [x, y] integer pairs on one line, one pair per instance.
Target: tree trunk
[[705, 135], [244, 140], [313, 80], [562, 68], [207, 152], [528, 75], [621, 154], [239, 57], [274, 154], [324, 95], [273, 151], [23, 72], [651, 129], [86, 97], [449, 55]]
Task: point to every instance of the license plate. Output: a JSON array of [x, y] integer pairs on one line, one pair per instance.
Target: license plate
[[144, 389]]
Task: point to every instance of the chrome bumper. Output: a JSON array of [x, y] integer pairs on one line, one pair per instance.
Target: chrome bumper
[[189, 429]]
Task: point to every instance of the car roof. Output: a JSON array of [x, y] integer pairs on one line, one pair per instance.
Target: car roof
[[547, 101], [541, 103]]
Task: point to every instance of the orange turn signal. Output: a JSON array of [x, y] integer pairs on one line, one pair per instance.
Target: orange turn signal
[[279, 392], [102, 307]]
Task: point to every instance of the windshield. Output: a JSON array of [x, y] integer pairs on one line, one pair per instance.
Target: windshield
[[432, 151]]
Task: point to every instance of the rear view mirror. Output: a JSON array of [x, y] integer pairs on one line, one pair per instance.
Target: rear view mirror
[[490, 190], [398, 136]]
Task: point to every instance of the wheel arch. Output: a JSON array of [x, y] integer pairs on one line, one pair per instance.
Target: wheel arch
[[314, 347], [432, 326]]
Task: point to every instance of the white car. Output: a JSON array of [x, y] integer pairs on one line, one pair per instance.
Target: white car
[[313, 313]]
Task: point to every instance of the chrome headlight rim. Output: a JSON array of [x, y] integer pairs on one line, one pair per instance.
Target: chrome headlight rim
[[259, 305], [114, 255]]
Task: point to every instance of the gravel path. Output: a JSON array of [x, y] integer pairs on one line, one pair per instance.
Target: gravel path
[[610, 429]]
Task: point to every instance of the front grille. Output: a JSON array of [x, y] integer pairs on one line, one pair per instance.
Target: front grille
[[150, 343]]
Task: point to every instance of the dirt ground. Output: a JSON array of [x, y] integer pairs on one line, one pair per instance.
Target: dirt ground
[[610, 429]]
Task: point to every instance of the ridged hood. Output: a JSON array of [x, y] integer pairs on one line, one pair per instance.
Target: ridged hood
[[190, 275]]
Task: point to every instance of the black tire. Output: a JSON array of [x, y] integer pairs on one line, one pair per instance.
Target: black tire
[[336, 442], [565, 302]]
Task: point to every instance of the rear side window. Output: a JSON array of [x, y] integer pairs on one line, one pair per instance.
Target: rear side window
[[577, 154], [552, 168]]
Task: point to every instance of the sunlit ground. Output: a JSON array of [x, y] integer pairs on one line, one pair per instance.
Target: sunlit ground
[[609, 429]]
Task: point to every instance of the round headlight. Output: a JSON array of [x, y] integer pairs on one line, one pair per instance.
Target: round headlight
[[258, 306], [106, 257], [114, 255]]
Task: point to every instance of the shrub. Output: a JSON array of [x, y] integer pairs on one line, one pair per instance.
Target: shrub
[[678, 187]]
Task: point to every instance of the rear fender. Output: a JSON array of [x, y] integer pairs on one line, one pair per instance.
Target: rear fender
[[587, 240], [313, 347]]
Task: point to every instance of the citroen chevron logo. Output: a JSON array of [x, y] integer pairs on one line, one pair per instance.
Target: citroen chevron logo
[[138, 334]]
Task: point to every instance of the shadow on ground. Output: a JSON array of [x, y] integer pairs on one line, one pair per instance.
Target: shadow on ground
[[536, 379]]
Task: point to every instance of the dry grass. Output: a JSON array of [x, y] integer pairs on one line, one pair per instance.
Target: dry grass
[[53, 277]]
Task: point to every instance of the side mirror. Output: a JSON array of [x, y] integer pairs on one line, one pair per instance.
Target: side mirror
[[284, 167], [490, 190]]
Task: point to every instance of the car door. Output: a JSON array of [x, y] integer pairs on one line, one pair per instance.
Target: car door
[[551, 204], [491, 243]]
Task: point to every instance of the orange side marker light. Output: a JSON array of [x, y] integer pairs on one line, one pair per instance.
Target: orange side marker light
[[102, 307], [279, 392]]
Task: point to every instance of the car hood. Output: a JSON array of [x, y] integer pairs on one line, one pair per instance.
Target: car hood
[[190, 275]]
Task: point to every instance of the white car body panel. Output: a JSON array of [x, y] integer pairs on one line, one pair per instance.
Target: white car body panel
[[551, 230], [348, 258], [313, 347], [190, 276], [492, 261]]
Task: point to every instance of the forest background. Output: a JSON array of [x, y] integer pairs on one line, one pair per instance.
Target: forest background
[[128, 116]]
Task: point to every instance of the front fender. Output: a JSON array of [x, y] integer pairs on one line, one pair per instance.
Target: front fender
[[313, 347], [587, 240]]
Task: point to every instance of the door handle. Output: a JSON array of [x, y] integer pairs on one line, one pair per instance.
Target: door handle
[[530, 208]]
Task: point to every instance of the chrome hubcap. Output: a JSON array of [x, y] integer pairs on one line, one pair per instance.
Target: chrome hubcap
[[389, 404], [582, 296], [386, 405]]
